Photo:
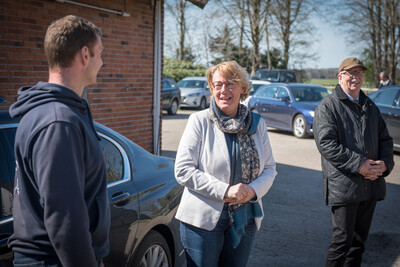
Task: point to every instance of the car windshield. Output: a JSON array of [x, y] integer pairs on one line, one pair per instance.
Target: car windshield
[[309, 94], [168, 84], [191, 84], [271, 76], [255, 87]]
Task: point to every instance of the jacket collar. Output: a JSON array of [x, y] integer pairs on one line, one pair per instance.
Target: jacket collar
[[342, 95]]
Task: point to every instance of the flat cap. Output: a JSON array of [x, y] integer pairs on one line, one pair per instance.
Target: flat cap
[[349, 63]]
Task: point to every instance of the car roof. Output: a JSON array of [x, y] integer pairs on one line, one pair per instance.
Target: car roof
[[260, 82], [389, 87], [195, 78], [275, 70], [6, 118], [385, 88], [295, 85]]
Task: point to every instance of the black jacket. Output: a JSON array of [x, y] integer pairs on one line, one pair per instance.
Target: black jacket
[[347, 134], [60, 198], [388, 84]]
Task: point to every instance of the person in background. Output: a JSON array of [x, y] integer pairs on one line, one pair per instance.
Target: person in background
[[385, 81], [225, 163], [61, 211], [357, 153]]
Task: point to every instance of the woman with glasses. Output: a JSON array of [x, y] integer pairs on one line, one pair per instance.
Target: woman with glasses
[[225, 163]]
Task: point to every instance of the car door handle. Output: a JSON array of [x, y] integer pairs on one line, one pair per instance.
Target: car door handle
[[120, 198]]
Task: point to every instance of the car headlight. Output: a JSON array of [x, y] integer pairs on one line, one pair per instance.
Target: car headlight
[[193, 95], [312, 112]]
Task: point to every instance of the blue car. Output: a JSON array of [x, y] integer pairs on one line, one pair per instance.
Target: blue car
[[288, 106]]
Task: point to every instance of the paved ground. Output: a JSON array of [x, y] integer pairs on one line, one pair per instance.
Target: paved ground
[[296, 230]]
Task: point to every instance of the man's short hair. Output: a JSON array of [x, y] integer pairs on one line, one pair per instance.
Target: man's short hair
[[384, 74], [65, 37]]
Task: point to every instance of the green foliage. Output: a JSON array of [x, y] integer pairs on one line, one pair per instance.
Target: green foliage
[[243, 60], [328, 83], [323, 82], [331, 84], [369, 79], [276, 59], [187, 54], [177, 69]]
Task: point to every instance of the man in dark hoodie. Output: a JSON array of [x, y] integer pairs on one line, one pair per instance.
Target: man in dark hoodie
[[61, 211]]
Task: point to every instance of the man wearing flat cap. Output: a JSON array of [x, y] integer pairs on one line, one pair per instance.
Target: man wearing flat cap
[[356, 154]]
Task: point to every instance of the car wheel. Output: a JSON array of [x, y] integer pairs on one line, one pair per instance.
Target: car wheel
[[299, 126], [153, 252], [174, 107], [202, 104]]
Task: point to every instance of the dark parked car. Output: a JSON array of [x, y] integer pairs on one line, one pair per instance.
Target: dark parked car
[[171, 97], [276, 76], [388, 101], [288, 106], [142, 192]]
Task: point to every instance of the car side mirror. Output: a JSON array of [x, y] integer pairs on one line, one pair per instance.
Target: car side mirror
[[285, 99]]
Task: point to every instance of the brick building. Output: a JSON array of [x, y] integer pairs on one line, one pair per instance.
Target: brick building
[[126, 97]]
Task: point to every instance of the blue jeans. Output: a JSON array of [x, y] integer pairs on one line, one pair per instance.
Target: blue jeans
[[214, 248], [22, 260]]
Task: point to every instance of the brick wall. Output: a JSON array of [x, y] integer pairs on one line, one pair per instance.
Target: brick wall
[[122, 99]]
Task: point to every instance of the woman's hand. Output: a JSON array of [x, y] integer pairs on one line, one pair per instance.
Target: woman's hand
[[239, 193]]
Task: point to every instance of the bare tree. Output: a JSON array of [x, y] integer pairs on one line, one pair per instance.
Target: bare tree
[[237, 9], [257, 14], [267, 34], [248, 22], [240, 4], [291, 23], [377, 24], [222, 44], [392, 30], [253, 12], [178, 9]]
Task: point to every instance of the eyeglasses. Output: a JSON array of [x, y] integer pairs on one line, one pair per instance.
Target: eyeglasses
[[356, 73], [218, 85]]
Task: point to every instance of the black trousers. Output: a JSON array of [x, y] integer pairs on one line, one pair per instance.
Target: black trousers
[[350, 231]]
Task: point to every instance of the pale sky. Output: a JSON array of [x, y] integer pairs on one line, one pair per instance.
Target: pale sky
[[332, 47]]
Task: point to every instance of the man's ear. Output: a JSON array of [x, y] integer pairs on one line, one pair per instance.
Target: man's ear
[[85, 55]]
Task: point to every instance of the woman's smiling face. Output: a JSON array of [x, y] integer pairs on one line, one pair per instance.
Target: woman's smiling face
[[226, 94]]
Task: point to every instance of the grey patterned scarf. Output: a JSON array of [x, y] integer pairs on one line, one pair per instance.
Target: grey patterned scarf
[[240, 125]]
